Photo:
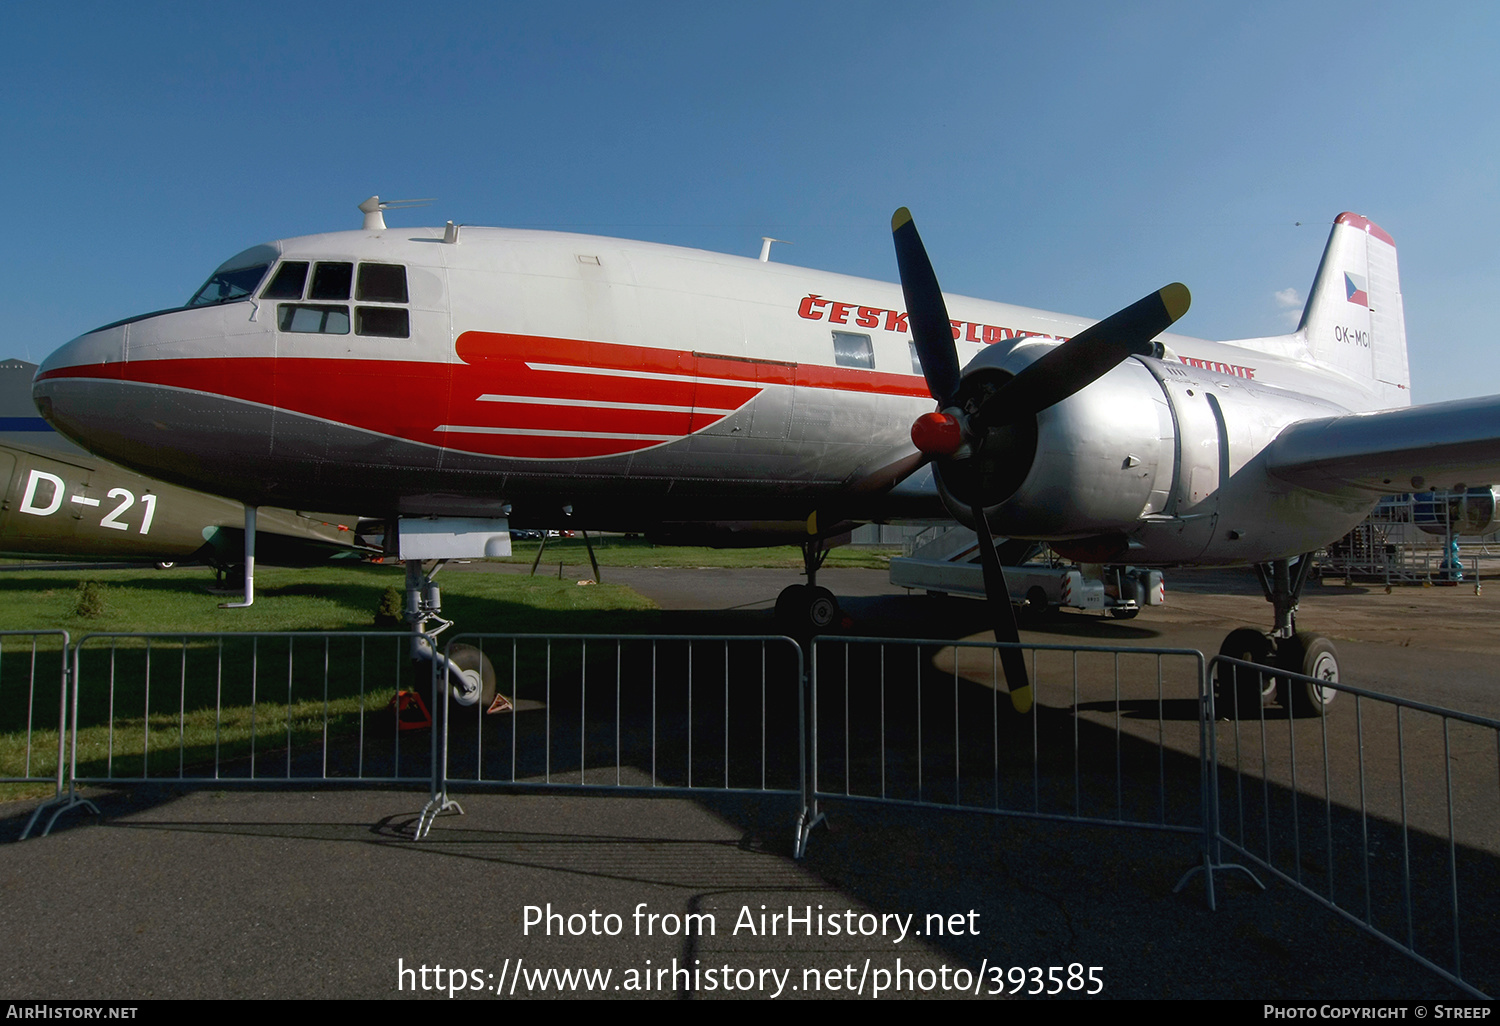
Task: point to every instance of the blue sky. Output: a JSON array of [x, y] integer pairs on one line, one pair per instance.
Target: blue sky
[[1071, 158]]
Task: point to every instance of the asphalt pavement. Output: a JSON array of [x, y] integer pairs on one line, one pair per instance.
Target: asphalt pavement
[[319, 893]]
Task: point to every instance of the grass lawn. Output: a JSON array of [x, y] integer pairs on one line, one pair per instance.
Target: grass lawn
[[330, 598], [178, 704], [171, 706]]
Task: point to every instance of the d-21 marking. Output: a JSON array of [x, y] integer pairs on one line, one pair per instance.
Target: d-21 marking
[[122, 499]]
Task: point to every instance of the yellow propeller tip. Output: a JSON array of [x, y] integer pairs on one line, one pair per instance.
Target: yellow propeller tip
[[899, 218], [1176, 298], [1020, 699]]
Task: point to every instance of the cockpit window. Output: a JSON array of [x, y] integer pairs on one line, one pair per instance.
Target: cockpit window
[[227, 286], [382, 321], [288, 281], [307, 319], [236, 278], [381, 283], [331, 280]]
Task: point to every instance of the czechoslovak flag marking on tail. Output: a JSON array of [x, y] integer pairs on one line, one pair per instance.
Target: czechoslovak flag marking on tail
[[1354, 288]]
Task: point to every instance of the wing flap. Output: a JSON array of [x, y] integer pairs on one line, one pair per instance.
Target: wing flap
[[1440, 445]]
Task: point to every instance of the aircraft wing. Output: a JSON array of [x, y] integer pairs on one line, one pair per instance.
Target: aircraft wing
[[1442, 445]]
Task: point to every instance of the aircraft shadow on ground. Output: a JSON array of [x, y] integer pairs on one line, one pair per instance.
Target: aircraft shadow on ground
[[922, 736], [897, 728]]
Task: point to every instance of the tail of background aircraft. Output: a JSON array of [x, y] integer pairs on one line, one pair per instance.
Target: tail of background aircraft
[[15, 393], [19, 419], [1354, 321], [20, 423]]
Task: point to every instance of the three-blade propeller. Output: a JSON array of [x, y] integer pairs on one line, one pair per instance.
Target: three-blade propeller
[[955, 433]]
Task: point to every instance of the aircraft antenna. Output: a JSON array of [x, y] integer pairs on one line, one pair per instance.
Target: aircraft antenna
[[374, 210], [765, 247]]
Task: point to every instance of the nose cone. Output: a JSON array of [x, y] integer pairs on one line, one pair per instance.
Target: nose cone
[[87, 353], [67, 385]]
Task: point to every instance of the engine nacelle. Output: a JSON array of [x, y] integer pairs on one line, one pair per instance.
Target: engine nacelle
[[1467, 512], [1093, 464], [1154, 458]]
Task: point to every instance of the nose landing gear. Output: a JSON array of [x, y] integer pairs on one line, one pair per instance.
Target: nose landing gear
[[470, 675]]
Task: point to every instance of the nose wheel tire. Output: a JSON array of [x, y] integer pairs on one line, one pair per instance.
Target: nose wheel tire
[[1311, 655], [477, 674]]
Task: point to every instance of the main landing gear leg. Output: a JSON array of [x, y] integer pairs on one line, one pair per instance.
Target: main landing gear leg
[[804, 611], [1284, 648], [802, 608]]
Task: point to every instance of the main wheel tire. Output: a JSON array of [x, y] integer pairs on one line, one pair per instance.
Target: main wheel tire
[[801, 608], [822, 609], [478, 674], [1311, 655], [788, 606], [1236, 687]]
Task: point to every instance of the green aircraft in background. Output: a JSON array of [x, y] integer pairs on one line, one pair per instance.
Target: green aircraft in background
[[61, 502]]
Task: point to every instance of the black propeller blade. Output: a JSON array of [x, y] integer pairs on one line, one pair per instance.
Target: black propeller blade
[[1069, 368], [926, 312], [1012, 660], [1084, 358]]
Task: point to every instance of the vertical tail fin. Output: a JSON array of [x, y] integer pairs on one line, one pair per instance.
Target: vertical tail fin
[[1354, 320], [20, 423], [17, 411]]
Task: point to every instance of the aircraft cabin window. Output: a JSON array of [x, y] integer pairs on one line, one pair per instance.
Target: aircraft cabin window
[[851, 350], [381, 283], [288, 281], [308, 319], [331, 281], [383, 321], [227, 286]]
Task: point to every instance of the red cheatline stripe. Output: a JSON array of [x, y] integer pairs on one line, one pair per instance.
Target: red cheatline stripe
[[520, 396]]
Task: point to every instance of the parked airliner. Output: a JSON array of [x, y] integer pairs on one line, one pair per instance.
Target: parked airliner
[[450, 379]]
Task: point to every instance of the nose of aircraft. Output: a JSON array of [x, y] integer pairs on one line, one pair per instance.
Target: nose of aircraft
[[66, 385]]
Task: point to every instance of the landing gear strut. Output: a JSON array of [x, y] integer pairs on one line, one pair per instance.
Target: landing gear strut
[[1284, 648], [804, 607], [470, 675]]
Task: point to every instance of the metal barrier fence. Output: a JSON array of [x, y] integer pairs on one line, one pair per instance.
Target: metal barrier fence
[[1385, 811], [33, 706], [1114, 738], [628, 712], [33, 682], [261, 707]]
